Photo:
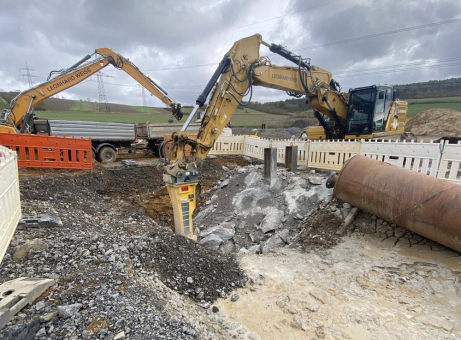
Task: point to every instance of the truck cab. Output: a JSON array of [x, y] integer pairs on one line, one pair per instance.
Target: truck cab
[[368, 109]]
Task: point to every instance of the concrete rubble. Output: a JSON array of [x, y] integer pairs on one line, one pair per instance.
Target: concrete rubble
[[252, 215]]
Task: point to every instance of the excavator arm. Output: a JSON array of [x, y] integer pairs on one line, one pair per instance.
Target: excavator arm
[[134, 72], [241, 69], [21, 107]]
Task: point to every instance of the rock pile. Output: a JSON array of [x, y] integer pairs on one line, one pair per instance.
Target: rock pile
[[247, 214]]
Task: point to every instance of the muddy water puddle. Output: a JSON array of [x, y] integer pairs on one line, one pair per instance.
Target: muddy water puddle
[[362, 289]]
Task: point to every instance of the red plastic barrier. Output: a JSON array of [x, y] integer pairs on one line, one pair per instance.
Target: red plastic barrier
[[37, 151]]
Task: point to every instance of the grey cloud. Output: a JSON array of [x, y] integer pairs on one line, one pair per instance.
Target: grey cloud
[[162, 34]]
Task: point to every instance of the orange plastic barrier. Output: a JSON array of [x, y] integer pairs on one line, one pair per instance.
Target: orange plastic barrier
[[37, 151]]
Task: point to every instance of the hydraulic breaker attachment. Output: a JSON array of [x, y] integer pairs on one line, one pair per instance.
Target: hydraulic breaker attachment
[[183, 200]]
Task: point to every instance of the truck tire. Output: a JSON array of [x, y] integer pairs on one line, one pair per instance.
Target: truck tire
[[107, 154]]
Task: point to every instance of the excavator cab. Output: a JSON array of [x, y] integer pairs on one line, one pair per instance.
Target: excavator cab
[[368, 109]]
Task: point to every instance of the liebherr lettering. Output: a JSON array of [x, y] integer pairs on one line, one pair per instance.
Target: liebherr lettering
[[68, 79], [287, 78]]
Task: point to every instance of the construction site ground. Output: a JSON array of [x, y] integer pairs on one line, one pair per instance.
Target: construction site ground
[[283, 271]]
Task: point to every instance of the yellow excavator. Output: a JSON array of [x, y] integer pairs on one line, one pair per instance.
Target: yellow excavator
[[366, 112], [19, 118]]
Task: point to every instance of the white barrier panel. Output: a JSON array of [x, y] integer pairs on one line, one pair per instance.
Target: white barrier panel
[[281, 144], [10, 205], [450, 164], [433, 159], [331, 155], [228, 145], [254, 147], [417, 156]]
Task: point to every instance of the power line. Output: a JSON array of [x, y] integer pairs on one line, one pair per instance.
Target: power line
[[381, 34], [370, 36], [429, 61], [262, 21]]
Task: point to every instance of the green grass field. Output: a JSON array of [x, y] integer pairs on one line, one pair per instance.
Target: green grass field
[[414, 109], [240, 119], [416, 106], [144, 109]]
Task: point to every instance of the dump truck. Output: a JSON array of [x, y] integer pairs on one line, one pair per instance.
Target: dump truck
[[106, 138]]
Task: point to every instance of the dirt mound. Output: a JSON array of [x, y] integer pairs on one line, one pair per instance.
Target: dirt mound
[[190, 268], [322, 231], [436, 123]]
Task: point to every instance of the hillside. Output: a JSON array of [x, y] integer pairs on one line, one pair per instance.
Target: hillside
[[436, 94], [63, 105], [431, 89]]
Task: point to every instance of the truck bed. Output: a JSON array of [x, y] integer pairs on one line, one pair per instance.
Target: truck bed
[[97, 131], [157, 131]]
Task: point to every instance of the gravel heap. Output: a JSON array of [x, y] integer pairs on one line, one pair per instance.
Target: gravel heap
[[189, 268], [106, 282]]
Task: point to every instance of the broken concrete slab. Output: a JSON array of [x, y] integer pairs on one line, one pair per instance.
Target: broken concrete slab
[[252, 178], [274, 242], [272, 220], [18, 293], [212, 241], [39, 221], [223, 232], [315, 180], [248, 198]]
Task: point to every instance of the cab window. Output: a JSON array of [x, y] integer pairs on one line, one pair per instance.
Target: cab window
[[360, 112], [379, 116]]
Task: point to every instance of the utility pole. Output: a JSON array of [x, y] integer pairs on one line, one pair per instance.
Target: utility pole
[[103, 104], [27, 74]]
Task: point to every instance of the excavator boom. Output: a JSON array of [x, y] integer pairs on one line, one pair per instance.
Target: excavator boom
[[19, 117]]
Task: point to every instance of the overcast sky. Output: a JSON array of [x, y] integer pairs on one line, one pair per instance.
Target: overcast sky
[[163, 38]]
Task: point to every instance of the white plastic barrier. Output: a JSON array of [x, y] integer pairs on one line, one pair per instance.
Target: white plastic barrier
[[254, 147], [417, 156], [440, 160], [10, 205], [228, 145], [450, 163], [331, 155], [281, 144]]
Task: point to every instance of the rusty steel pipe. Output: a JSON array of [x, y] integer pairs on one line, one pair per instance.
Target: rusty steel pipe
[[426, 205]]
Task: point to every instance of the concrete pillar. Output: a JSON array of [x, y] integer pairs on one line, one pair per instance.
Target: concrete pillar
[[270, 163], [291, 158]]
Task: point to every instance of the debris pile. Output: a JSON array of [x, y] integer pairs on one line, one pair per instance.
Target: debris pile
[[244, 213], [436, 123]]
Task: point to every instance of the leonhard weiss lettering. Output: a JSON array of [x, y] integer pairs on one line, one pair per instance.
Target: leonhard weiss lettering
[[287, 78], [69, 79]]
